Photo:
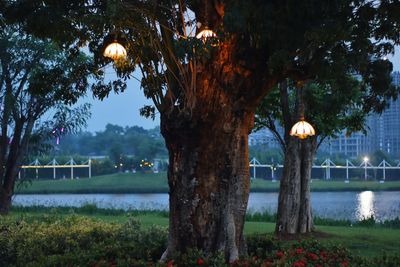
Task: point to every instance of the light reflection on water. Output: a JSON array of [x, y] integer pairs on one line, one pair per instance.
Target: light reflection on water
[[338, 205], [365, 207]]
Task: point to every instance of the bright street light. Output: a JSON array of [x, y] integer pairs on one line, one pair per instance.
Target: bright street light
[[366, 159]]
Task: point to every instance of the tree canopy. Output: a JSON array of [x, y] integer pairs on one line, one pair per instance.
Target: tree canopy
[[307, 40], [36, 78], [133, 141], [331, 106]]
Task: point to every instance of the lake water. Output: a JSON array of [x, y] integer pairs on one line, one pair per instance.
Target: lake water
[[339, 205]]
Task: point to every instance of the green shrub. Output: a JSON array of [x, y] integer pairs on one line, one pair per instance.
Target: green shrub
[[261, 245], [55, 240], [367, 222], [77, 241], [395, 223]]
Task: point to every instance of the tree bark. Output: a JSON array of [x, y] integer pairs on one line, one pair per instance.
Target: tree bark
[[17, 148], [5, 200], [294, 206], [208, 172]]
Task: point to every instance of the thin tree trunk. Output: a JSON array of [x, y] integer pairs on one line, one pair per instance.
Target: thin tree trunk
[[294, 206], [308, 149], [17, 148], [5, 200], [289, 191]]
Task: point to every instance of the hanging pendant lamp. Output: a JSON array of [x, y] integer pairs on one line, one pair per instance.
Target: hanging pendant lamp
[[115, 51], [302, 129], [205, 34]]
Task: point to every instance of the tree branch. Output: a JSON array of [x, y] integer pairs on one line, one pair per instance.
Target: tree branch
[[272, 128], [286, 116], [322, 138]]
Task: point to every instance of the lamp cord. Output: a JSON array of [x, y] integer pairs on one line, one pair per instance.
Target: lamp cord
[[301, 108]]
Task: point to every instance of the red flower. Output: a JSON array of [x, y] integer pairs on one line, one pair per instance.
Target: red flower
[[298, 264], [267, 263], [299, 250], [170, 263], [200, 261], [323, 255], [303, 260], [344, 263], [312, 256], [280, 254]]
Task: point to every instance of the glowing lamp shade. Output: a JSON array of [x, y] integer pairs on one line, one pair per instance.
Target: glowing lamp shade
[[115, 51], [302, 130], [206, 33]]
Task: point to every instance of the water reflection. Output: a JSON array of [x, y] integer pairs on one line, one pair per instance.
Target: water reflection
[[365, 207], [384, 205]]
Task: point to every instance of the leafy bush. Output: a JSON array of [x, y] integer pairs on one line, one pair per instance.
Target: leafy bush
[[395, 223], [268, 252], [77, 241], [86, 209], [367, 222], [70, 240]]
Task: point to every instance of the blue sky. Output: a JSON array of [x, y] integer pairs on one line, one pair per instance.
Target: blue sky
[[123, 109], [120, 109]]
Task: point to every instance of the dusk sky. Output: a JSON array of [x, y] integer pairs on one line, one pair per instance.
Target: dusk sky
[[123, 109]]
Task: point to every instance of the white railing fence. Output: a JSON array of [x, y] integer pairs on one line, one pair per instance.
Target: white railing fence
[[53, 164], [327, 167]]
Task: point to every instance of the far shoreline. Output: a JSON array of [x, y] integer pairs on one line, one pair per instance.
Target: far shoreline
[[128, 183]]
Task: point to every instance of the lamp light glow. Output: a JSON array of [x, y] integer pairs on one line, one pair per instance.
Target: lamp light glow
[[302, 130], [206, 33], [115, 51]]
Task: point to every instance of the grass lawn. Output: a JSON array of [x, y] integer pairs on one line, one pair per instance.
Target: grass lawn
[[363, 241], [157, 183], [114, 183]]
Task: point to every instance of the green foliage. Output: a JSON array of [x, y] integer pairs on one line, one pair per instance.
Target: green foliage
[[262, 246], [53, 241], [102, 167], [318, 40], [127, 145], [265, 154], [88, 209], [347, 108], [36, 78]]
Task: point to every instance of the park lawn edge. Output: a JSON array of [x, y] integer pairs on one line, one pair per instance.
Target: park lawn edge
[[157, 183]]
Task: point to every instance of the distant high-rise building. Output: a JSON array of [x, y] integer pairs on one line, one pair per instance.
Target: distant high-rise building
[[263, 137], [389, 125], [383, 133]]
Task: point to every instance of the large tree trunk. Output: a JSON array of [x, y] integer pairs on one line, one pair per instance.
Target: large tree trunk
[[208, 172], [294, 206]]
